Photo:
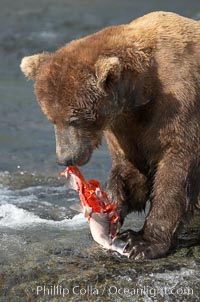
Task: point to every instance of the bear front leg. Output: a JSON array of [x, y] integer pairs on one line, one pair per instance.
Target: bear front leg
[[168, 208], [127, 188]]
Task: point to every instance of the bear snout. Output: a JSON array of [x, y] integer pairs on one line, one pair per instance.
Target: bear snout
[[79, 160], [62, 161], [72, 147]]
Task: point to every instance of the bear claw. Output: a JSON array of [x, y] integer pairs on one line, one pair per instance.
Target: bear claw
[[138, 248]]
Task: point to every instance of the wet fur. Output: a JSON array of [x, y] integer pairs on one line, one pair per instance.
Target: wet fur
[[139, 84]]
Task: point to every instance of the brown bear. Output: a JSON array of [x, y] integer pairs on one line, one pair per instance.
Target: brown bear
[[139, 85]]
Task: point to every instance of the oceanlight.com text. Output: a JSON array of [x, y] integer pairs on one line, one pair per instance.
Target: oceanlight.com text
[[112, 290]]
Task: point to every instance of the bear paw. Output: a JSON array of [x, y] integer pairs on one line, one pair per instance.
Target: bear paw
[[138, 248]]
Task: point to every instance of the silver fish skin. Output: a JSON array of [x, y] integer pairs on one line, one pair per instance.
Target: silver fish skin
[[101, 230]]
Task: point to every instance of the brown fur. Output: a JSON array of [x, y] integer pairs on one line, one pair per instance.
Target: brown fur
[[139, 84]]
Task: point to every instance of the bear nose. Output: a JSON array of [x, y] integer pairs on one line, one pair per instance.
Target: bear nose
[[62, 161]]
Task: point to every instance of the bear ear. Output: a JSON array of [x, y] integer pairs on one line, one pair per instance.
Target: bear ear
[[108, 72], [31, 64]]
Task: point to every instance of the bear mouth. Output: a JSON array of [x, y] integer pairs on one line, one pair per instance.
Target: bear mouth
[[84, 159]]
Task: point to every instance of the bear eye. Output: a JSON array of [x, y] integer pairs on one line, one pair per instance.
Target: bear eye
[[74, 121]]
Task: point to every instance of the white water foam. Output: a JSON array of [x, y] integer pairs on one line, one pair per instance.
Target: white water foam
[[11, 216]]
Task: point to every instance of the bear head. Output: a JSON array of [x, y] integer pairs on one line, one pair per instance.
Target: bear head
[[82, 90]]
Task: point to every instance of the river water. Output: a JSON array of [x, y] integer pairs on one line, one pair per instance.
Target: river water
[[46, 250]]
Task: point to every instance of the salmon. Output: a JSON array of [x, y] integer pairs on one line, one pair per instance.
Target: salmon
[[101, 214]]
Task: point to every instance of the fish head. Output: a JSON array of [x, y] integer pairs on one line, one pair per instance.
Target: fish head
[[75, 179]]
